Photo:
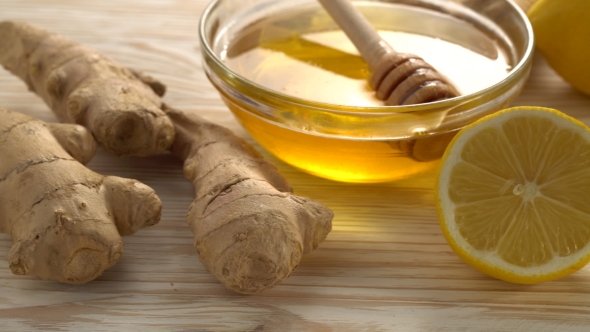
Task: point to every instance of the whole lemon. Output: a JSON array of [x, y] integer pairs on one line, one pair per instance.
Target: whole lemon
[[562, 33]]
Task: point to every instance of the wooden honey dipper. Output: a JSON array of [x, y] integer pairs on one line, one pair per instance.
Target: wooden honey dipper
[[397, 78]]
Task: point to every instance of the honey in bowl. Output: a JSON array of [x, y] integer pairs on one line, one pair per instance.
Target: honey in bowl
[[325, 67], [302, 54]]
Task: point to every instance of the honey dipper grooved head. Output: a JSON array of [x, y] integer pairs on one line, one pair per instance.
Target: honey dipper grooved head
[[406, 79]]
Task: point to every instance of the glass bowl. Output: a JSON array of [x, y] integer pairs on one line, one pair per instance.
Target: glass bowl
[[366, 143]]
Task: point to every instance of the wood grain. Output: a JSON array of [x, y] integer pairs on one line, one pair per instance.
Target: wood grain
[[384, 267]]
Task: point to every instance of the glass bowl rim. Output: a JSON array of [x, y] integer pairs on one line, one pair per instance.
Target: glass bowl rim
[[372, 110]]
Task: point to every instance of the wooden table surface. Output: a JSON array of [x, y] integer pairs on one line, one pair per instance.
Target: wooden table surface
[[384, 267]]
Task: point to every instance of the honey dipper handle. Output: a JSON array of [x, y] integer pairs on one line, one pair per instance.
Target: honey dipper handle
[[362, 34]]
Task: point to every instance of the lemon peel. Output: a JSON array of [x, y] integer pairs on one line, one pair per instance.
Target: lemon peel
[[562, 32]]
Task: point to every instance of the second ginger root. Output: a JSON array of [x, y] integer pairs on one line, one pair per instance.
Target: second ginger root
[[250, 230]]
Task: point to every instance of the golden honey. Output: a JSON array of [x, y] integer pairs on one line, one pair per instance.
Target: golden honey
[[301, 54]]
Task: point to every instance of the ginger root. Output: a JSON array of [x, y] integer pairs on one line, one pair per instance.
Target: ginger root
[[250, 230], [122, 108], [66, 221]]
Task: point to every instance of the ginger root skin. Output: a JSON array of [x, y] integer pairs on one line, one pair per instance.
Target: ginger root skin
[[250, 230], [66, 221], [121, 107]]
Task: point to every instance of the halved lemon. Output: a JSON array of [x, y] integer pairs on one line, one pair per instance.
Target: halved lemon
[[513, 194]]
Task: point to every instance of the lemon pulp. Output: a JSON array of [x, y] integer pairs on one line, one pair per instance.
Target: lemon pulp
[[513, 194]]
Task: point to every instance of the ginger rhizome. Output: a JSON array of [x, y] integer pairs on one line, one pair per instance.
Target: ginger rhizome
[[250, 230], [121, 107], [66, 221]]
